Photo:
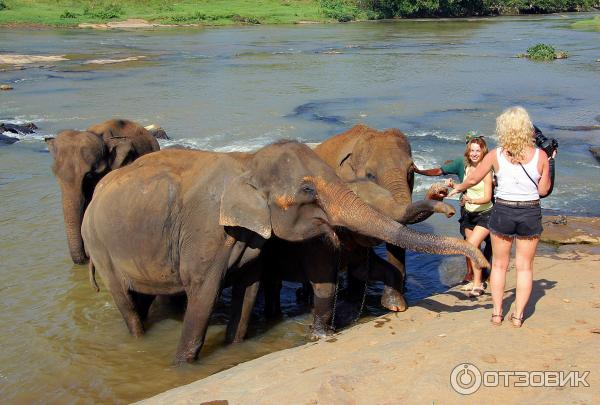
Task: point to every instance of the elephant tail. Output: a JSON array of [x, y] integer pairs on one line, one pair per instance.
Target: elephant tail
[[92, 270]]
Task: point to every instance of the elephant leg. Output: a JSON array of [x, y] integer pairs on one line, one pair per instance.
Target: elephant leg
[[423, 209], [397, 257], [126, 305], [272, 291], [393, 283], [324, 296], [201, 301], [321, 270], [243, 296], [142, 303]]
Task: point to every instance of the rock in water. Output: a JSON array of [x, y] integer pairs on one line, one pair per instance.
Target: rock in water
[[7, 140], [6, 87], [596, 152], [24, 129]]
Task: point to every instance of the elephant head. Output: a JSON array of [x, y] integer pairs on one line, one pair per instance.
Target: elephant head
[[381, 157], [291, 193], [82, 158]]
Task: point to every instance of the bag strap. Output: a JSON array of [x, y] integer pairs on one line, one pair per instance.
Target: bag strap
[[533, 181]]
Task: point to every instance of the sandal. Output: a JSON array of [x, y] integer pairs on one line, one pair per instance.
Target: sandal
[[516, 322], [476, 291], [497, 323]]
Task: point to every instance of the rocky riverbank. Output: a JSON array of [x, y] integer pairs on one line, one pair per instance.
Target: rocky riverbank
[[408, 357]]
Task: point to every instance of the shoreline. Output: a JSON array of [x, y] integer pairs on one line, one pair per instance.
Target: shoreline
[[137, 23], [409, 356]]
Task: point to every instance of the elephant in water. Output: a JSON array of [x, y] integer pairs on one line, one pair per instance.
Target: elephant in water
[[318, 262], [82, 158], [383, 158], [180, 220]]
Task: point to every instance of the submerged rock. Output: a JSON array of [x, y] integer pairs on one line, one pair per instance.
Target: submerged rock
[[7, 140]]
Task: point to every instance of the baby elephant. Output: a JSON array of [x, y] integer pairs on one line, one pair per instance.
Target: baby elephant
[[181, 220]]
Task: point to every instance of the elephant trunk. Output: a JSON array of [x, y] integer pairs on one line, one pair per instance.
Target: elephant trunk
[[344, 208], [396, 182], [73, 205]]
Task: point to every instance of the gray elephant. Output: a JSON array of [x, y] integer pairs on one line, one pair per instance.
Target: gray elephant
[[82, 158], [181, 220], [383, 158], [316, 262]]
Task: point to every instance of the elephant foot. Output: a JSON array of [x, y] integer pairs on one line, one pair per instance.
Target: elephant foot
[[319, 330], [393, 300]]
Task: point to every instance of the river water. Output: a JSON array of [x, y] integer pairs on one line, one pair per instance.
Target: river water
[[237, 89]]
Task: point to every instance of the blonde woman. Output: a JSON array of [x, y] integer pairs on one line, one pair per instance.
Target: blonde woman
[[477, 207], [522, 172]]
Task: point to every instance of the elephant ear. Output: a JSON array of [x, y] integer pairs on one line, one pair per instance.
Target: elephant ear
[[120, 154], [244, 205], [345, 170]]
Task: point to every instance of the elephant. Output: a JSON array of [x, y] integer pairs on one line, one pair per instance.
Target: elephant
[[179, 221], [82, 158], [317, 263], [385, 159]]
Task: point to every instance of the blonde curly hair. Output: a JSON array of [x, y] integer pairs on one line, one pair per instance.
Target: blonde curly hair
[[515, 132]]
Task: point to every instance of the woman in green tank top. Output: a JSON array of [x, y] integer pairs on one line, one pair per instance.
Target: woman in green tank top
[[478, 205]]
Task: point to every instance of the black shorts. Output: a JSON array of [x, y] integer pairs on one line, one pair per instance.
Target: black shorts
[[470, 220], [524, 221]]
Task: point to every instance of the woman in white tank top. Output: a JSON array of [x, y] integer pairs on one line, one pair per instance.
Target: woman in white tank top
[[523, 176]]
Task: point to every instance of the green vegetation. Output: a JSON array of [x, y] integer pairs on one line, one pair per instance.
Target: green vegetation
[[591, 24], [210, 12], [543, 52], [221, 12]]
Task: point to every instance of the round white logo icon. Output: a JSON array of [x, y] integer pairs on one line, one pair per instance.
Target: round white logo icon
[[465, 378]]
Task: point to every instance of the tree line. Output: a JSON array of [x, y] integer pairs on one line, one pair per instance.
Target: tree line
[[351, 9]]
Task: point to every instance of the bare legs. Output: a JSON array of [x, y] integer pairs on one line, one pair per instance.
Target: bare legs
[[475, 237], [525, 253]]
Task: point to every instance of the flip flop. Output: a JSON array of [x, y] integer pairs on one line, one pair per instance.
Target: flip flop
[[476, 291]]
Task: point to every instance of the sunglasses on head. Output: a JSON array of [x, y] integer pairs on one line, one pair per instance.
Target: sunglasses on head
[[469, 138]]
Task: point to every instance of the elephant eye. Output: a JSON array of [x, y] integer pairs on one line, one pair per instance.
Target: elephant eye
[[308, 189], [371, 176]]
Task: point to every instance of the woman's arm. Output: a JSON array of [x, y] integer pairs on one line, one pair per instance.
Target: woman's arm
[[475, 176], [437, 171], [545, 181], [487, 191]]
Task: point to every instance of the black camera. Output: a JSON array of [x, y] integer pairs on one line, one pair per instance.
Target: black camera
[[548, 145]]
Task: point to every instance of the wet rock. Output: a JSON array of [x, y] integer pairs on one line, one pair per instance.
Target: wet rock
[[157, 131], [24, 129], [571, 230], [7, 140], [595, 151], [6, 87]]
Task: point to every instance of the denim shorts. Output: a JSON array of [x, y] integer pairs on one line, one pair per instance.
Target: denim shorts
[[524, 221], [470, 220]]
